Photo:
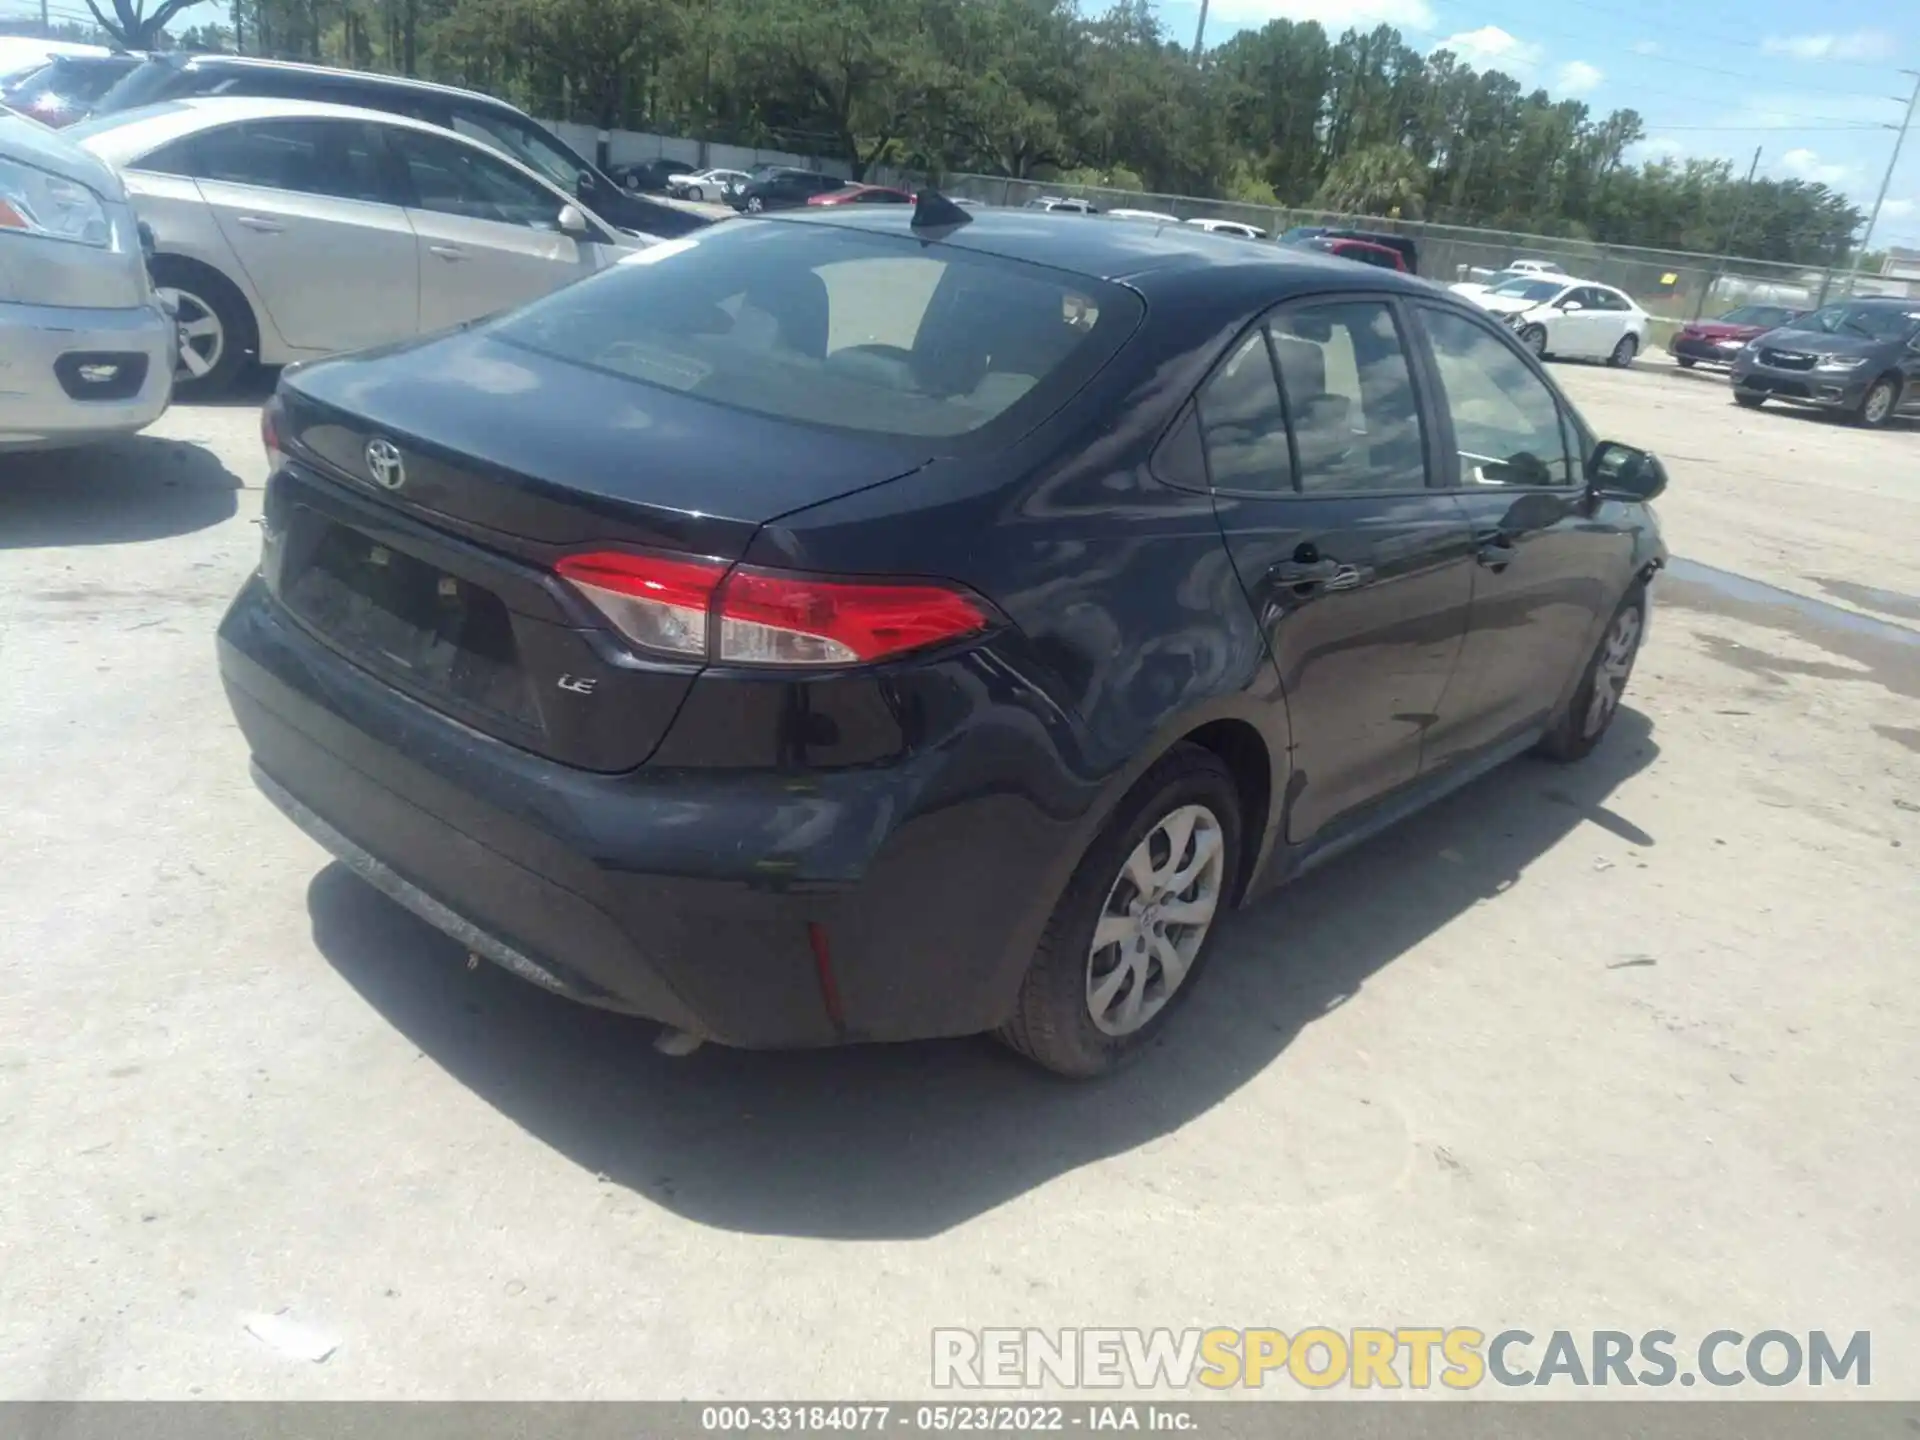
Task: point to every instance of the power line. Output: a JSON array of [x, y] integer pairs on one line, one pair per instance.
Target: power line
[[1718, 37]]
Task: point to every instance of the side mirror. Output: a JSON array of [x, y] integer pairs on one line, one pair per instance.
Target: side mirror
[[1571, 305], [1624, 472], [572, 221], [147, 243], [585, 181]]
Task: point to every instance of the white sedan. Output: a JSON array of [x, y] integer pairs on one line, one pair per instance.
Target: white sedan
[[1230, 227], [1572, 319], [287, 230], [706, 184]]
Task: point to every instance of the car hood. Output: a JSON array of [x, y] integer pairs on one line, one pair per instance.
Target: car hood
[[1716, 330], [1504, 304], [34, 144], [1815, 342]]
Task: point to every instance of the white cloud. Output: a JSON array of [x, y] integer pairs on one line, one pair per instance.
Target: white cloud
[[1336, 15], [1646, 47], [1804, 164], [1491, 48], [1899, 209], [1577, 77], [1656, 147], [1854, 45]]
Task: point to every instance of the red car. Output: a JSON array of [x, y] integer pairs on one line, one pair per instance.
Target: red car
[[862, 195], [1365, 251], [1716, 342]]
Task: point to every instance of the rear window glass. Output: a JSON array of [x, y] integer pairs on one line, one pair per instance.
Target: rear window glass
[[837, 327]]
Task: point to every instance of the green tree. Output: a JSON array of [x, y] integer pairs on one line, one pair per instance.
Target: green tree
[[1379, 180]]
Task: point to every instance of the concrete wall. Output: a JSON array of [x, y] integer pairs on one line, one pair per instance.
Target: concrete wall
[[628, 146]]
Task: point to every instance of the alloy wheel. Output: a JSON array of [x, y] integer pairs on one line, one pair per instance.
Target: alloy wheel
[[755, 203], [1879, 404], [1623, 352], [1155, 919], [1610, 673], [203, 339], [1534, 338]]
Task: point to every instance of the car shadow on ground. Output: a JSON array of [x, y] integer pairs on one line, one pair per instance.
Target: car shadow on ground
[[138, 487], [902, 1141]]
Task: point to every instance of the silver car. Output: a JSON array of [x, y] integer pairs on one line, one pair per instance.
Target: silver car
[[86, 349], [285, 230]]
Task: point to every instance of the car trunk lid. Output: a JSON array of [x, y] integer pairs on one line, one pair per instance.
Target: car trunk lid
[[397, 547]]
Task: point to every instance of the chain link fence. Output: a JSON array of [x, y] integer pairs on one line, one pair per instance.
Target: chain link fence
[[1673, 286]]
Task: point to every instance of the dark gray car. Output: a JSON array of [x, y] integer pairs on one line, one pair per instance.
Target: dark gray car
[[1860, 357]]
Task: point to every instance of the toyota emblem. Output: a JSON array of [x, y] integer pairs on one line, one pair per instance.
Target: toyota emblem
[[385, 465]]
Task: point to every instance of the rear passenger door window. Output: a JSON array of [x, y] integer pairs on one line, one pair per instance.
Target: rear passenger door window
[[1507, 426], [339, 158], [1243, 423], [1349, 393]]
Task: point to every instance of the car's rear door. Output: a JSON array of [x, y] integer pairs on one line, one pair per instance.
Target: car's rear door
[[1548, 567], [310, 211], [490, 236], [1358, 571]]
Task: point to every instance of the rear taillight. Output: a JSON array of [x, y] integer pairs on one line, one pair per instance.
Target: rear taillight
[[270, 435], [748, 616]]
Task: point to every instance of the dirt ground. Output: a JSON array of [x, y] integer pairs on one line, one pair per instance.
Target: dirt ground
[[1631, 1044]]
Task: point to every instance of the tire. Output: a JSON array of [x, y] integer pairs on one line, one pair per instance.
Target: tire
[[1590, 714], [1534, 337], [1685, 362], [755, 205], [1122, 983], [1752, 399], [1879, 403], [1623, 353], [208, 303]]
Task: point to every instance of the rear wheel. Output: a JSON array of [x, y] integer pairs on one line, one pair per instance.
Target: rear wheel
[[1685, 362], [1534, 337], [1752, 399], [1877, 405], [1589, 715], [1132, 928], [1623, 353], [217, 334]]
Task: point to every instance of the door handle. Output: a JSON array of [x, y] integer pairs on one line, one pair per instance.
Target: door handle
[[1496, 551], [1308, 576], [259, 223], [448, 252]]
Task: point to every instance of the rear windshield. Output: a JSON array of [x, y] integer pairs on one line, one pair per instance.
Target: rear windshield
[[70, 78], [144, 84], [838, 327]]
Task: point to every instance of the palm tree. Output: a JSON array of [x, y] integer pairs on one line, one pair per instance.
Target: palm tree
[[1375, 180]]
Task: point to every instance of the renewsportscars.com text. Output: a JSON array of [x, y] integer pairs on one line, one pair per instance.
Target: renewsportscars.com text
[[1402, 1357]]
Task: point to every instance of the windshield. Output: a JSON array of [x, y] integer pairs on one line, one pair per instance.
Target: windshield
[[78, 82], [836, 327], [1530, 288], [1766, 316], [141, 85], [1863, 322], [525, 142]]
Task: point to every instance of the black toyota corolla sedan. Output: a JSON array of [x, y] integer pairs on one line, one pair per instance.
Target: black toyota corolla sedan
[[900, 623]]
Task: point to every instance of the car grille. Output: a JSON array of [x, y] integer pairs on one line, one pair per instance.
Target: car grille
[[1786, 359]]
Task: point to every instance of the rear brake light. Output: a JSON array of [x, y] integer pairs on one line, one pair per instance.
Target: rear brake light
[[748, 616], [270, 435]]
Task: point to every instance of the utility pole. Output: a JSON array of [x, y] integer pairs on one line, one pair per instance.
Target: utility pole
[[1733, 231], [45, 28], [1886, 181], [1199, 31]]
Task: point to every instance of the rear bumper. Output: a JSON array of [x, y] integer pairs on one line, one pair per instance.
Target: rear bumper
[[72, 375], [698, 898]]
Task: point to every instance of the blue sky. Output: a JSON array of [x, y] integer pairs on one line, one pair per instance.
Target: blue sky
[[1711, 77]]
